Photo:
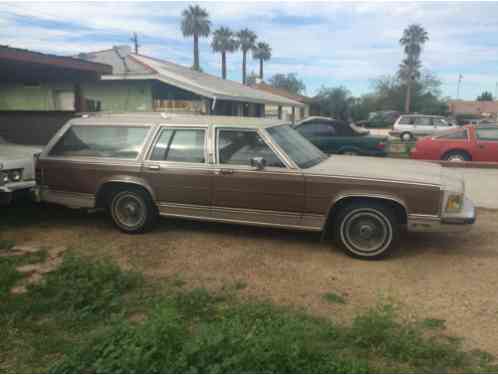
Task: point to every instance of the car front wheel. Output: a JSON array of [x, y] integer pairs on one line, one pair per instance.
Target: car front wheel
[[456, 156], [132, 210], [367, 230]]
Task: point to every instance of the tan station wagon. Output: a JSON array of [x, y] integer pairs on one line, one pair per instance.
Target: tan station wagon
[[247, 171]]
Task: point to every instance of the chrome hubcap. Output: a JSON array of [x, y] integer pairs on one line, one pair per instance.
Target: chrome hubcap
[[366, 232], [129, 210]]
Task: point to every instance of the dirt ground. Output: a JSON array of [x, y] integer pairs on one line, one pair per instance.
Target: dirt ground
[[440, 276]]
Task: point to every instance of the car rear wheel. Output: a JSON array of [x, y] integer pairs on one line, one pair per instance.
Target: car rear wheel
[[406, 137], [456, 156], [350, 152], [132, 210], [367, 230]]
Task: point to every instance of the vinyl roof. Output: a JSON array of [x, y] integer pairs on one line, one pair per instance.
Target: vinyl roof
[[127, 65]]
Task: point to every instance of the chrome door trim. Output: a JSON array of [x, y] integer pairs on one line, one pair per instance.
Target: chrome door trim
[[371, 179], [66, 198], [266, 218]]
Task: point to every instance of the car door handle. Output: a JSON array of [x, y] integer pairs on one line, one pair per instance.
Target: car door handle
[[481, 146], [225, 171], [154, 167]]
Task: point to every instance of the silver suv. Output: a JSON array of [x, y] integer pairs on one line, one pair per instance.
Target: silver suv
[[408, 127]]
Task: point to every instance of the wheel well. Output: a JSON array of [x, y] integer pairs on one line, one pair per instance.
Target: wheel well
[[397, 207], [109, 188], [456, 150]]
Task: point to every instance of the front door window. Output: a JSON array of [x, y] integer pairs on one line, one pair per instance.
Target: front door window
[[238, 147]]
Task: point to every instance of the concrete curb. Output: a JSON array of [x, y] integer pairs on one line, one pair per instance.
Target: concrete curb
[[465, 164]]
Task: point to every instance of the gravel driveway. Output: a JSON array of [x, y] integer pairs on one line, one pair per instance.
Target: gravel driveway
[[439, 276]]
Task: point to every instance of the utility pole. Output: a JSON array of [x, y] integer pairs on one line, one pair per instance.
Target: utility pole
[[458, 85], [496, 91], [134, 39]]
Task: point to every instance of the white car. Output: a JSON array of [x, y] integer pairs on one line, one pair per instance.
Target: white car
[[17, 170], [409, 127]]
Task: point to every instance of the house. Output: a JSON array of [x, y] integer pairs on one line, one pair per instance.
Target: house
[[40, 92], [474, 107], [285, 113], [142, 83]]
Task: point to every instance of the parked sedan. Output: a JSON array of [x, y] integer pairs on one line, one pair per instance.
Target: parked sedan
[[469, 143], [16, 169], [338, 137]]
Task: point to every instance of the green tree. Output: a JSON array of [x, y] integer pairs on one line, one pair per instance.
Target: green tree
[[485, 96], [335, 102], [224, 41], [252, 78], [247, 40], [288, 82], [414, 37], [196, 23], [261, 52]]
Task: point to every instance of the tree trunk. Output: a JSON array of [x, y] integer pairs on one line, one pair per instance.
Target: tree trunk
[[224, 65], [408, 95], [261, 69], [244, 67], [196, 52]]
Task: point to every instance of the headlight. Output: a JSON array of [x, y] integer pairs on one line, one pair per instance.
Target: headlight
[[15, 175], [4, 178], [454, 203]]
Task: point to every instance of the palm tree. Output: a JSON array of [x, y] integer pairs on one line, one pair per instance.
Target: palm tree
[[261, 52], [247, 40], [195, 22], [414, 37], [223, 42]]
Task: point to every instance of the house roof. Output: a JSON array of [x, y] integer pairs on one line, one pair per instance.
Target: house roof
[[17, 55], [127, 65], [272, 90]]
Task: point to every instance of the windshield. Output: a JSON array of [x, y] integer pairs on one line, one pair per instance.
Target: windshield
[[299, 149]]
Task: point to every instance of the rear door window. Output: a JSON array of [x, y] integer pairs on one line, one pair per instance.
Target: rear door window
[[490, 134], [120, 142], [459, 134], [180, 145]]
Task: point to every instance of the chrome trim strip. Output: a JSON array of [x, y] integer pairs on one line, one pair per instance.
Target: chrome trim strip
[[328, 176], [290, 220], [69, 199]]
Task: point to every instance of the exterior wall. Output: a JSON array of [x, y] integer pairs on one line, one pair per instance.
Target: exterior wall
[[473, 107], [120, 96], [32, 127], [37, 97], [301, 113]]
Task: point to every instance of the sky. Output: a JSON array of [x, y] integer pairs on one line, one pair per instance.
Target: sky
[[325, 43]]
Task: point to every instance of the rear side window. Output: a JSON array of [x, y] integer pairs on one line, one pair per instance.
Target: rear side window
[[459, 134], [120, 142], [490, 134], [317, 129], [405, 120], [180, 145], [423, 121]]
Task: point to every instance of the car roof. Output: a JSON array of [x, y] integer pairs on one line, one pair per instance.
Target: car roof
[[153, 118], [312, 118], [421, 115]]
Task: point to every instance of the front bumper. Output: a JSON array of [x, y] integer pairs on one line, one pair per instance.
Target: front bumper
[[459, 222], [7, 190]]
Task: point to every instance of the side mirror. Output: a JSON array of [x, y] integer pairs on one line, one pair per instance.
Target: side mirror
[[258, 162]]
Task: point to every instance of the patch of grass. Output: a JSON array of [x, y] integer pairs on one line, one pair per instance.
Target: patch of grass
[[431, 323], [334, 298], [187, 331], [240, 284], [7, 244], [82, 289]]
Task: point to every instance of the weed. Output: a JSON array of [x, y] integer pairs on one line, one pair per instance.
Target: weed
[[7, 244], [334, 298], [431, 323]]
